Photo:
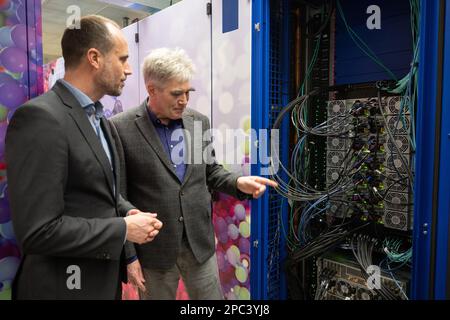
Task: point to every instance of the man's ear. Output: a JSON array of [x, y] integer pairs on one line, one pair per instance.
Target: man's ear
[[94, 56], [151, 89]]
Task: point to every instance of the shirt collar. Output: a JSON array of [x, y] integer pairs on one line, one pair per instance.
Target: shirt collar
[[157, 122], [81, 97]]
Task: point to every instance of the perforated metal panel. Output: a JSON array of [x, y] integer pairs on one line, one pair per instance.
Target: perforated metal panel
[[271, 69]]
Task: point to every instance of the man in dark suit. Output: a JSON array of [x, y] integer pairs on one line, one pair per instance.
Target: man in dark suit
[[63, 181], [164, 170]]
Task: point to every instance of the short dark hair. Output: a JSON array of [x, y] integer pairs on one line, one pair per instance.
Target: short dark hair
[[93, 32]]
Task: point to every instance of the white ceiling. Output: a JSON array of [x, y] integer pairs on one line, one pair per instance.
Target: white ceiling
[[54, 16]]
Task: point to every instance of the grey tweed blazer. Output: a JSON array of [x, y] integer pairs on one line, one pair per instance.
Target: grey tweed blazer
[[148, 180]]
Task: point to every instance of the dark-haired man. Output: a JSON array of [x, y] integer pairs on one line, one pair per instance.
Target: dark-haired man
[[70, 221]]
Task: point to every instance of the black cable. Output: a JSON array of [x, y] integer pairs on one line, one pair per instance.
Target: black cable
[[289, 108], [325, 23]]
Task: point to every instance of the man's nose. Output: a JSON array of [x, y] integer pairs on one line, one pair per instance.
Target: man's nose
[[184, 99], [128, 70]]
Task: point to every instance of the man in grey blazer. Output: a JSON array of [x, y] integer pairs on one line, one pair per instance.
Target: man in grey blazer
[[70, 221], [164, 170]]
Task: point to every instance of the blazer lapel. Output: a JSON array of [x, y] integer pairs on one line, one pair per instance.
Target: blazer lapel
[[114, 156], [190, 144], [148, 130], [79, 116]]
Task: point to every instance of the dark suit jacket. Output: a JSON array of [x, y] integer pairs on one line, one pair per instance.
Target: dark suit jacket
[[64, 208], [149, 181]]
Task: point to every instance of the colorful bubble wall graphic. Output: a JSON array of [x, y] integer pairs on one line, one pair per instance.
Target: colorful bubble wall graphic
[[20, 80], [232, 228]]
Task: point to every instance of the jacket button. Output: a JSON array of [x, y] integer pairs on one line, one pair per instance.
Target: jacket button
[[181, 219], [182, 193], [106, 256]]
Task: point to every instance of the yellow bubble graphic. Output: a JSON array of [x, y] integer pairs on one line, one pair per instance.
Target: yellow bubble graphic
[[236, 289], [244, 294], [241, 274], [247, 125], [233, 255], [244, 229]]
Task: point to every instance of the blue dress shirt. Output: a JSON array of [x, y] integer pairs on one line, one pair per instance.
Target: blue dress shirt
[[175, 149], [94, 111]]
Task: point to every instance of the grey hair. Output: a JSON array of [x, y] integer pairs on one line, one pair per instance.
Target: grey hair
[[164, 64]]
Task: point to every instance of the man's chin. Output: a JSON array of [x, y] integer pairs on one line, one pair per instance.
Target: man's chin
[[114, 93]]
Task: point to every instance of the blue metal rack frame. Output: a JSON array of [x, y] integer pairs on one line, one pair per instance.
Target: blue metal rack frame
[[430, 272], [428, 238], [270, 90], [442, 280], [260, 78], [445, 155]]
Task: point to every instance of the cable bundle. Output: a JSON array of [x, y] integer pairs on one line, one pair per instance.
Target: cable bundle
[[362, 247], [324, 282]]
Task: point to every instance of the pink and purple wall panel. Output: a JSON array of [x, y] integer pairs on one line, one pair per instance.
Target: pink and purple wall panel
[[231, 111], [223, 61], [21, 78]]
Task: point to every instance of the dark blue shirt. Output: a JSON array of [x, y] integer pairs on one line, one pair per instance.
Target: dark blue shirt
[[173, 145]]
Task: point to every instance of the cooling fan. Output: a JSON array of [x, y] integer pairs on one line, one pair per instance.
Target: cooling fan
[[365, 294], [333, 174], [393, 105], [336, 108], [335, 158], [402, 143], [396, 182], [345, 289], [394, 163], [336, 144], [398, 126], [395, 220], [397, 201]]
